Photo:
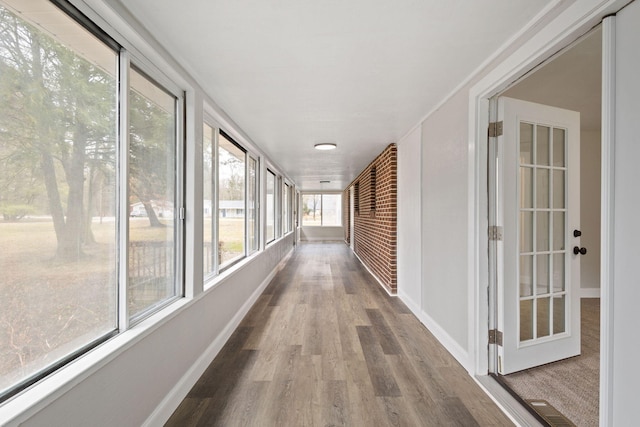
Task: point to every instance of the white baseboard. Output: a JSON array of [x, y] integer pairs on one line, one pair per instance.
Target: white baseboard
[[590, 293], [459, 353], [324, 239], [382, 285], [177, 394], [415, 308]]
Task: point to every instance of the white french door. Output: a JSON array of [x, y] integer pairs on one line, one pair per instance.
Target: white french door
[[539, 201]]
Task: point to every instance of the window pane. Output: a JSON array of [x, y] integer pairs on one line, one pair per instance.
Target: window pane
[[311, 209], [542, 231], [231, 175], [526, 187], [526, 231], [271, 207], [559, 317], [57, 190], [526, 143], [152, 190], [331, 209], [542, 274], [252, 194], [542, 145], [207, 199], [526, 320], [558, 189], [285, 208], [542, 188], [526, 275], [558, 147], [542, 317]]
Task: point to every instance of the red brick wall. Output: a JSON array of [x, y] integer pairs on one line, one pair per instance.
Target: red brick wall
[[375, 230]]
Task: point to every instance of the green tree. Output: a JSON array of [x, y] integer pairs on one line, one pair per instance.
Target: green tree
[[151, 150], [232, 183], [58, 116]]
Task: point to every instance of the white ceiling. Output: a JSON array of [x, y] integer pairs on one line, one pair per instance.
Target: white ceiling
[[360, 73]]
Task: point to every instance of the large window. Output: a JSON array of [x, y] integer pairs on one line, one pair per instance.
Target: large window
[[231, 200], [321, 210], [270, 223], [58, 186], [88, 215]]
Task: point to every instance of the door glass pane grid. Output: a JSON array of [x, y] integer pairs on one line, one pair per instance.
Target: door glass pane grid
[[542, 231]]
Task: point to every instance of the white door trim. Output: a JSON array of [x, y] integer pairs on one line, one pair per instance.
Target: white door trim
[[576, 20], [607, 219]]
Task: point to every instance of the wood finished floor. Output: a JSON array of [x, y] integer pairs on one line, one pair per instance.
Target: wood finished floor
[[324, 345]]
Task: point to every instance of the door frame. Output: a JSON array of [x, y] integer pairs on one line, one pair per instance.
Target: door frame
[[516, 355], [560, 29]]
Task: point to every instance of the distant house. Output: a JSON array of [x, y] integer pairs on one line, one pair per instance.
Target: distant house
[[162, 208], [231, 208]]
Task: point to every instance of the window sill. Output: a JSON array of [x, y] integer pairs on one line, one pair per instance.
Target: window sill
[[21, 407]]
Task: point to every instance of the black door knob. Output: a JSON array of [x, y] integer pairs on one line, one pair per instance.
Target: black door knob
[[577, 233], [578, 250]]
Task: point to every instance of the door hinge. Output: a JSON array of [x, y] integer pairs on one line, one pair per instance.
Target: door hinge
[[495, 232], [495, 337], [182, 213], [495, 129]]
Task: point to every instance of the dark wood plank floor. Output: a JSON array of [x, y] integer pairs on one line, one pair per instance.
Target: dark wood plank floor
[[324, 345]]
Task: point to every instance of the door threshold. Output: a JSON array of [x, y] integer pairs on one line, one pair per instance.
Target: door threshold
[[515, 408]]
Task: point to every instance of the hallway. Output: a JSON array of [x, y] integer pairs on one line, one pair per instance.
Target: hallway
[[325, 345]]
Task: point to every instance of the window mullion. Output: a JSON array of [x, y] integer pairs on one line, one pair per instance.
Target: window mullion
[[179, 209], [123, 188], [247, 178]]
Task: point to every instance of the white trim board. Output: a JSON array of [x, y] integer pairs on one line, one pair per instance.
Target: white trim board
[[382, 285], [590, 293], [321, 239], [452, 346], [459, 353]]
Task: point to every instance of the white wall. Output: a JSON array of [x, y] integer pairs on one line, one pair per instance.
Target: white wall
[[146, 379], [409, 220], [624, 280], [444, 224], [322, 233], [590, 211]]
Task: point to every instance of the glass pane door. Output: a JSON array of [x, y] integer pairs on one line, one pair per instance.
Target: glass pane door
[[542, 231]]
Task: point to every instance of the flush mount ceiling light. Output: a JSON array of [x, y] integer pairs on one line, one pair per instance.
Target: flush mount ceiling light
[[325, 146]]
